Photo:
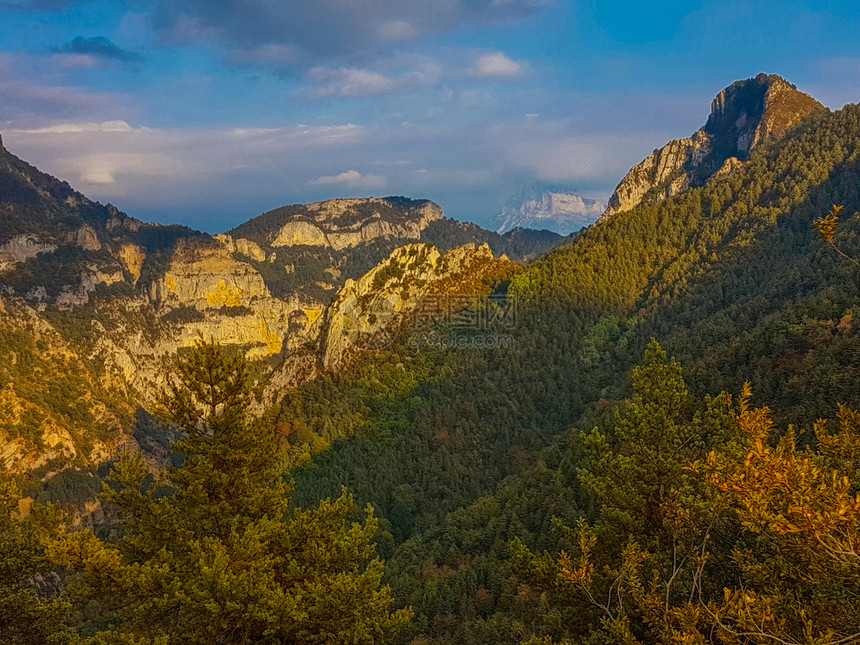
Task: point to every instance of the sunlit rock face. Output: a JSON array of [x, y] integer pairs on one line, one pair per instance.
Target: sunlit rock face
[[345, 223], [743, 116]]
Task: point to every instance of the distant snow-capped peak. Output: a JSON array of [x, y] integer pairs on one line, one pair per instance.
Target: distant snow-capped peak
[[546, 207]]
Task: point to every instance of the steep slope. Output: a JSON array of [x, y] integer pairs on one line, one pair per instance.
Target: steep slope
[[729, 276], [415, 286], [545, 207], [744, 116]]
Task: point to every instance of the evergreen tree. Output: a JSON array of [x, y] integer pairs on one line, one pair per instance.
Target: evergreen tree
[[214, 553], [30, 610]]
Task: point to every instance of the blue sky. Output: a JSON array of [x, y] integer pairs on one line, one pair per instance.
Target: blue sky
[[209, 113]]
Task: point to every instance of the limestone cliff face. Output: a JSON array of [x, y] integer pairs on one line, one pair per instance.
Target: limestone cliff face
[[21, 248], [345, 223], [367, 312], [208, 276], [743, 116], [206, 291]]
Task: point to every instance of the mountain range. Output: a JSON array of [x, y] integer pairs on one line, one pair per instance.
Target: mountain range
[[118, 297], [95, 303], [479, 459]]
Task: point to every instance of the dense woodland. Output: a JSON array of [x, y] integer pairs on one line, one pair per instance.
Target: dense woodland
[[647, 464], [475, 449]]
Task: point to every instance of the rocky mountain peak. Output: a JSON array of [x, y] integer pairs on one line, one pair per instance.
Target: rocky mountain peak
[[342, 223], [744, 115], [754, 111]]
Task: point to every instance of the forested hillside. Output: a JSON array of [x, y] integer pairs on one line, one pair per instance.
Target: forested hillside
[[731, 278]]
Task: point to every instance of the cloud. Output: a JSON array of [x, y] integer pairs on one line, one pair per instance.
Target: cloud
[[325, 27], [104, 169], [496, 66], [98, 48], [28, 102], [205, 177], [352, 179], [347, 82], [562, 151], [403, 75], [67, 128], [303, 136]]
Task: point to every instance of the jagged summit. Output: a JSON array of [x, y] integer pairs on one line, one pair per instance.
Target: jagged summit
[[744, 115]]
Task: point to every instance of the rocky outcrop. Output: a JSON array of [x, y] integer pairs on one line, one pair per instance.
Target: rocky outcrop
[[731, 165], [133, 257], [367, 313], [20, 249], [345, 223], [743, 116], [298, 233], [90, 278], [86, 238], [250, 250]]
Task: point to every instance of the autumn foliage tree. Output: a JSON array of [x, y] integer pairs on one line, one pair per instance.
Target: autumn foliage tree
[[752, 540]]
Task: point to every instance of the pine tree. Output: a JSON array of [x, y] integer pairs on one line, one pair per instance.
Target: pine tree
[[214, 553], [27, 617]]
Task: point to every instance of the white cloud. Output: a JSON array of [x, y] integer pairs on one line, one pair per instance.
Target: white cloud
[[396, 76], [76, 61], [347, 82], [105, 168], [497, 66], [558, 151], [67, 128], [97, 176], [303, 136], [352, 179]]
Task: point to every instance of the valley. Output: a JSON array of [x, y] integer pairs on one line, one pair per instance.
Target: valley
[[607, 450]]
